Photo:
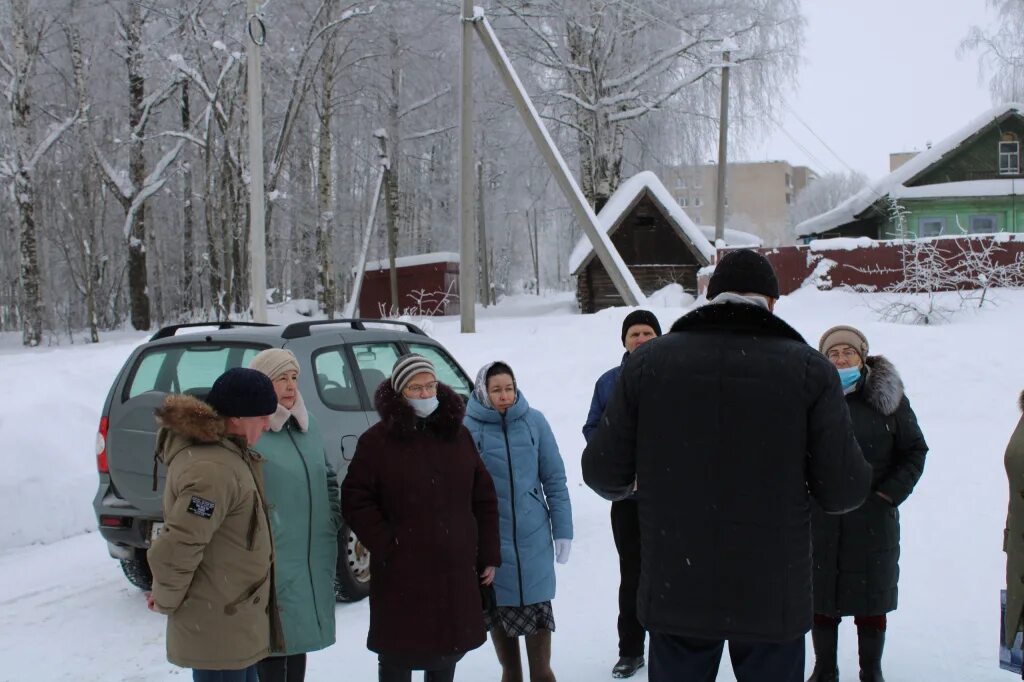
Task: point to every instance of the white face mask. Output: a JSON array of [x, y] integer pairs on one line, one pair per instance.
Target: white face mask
[[423, 407]]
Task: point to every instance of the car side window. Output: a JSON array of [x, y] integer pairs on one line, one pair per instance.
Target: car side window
[[334, 379], [187, 369], [375, 361], [448, 371]]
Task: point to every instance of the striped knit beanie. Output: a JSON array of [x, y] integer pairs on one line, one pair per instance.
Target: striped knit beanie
[[408, 366]]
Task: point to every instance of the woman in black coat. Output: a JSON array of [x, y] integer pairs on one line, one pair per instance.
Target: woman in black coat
[[856, 555]]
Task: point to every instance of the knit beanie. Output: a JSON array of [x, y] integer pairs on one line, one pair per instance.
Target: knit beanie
[[640, 317], [408, 366], [844, 334], [744, 272], [242, 392], [274, 362]]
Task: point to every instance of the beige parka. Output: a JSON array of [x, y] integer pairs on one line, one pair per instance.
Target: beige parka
[[1013, 535]]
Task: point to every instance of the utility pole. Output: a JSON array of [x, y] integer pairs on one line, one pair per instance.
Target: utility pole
[[257, 228], [390, 202], [467, 244], [723, 141], [485, 271]]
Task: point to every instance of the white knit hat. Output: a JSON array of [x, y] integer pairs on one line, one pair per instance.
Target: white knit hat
[[274, 362], [408, 366]]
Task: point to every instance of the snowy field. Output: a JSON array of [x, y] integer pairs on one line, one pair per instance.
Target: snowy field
[[67, 613]]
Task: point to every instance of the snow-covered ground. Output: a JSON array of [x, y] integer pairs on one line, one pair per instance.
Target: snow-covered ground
[[66, 613]]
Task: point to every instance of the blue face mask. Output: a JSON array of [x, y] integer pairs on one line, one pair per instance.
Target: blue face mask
[[423, 407], [849, 376]]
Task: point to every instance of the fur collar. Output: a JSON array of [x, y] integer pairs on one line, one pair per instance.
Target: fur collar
[[882, 387], [283, 414], [738, 317], [1021, 404], [398, 417], [190, 417]]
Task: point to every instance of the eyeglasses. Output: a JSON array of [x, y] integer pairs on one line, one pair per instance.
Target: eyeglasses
[[429, 387], [846, 353]]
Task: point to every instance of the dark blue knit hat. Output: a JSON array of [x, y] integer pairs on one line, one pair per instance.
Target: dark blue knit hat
[[640, 317], [744, 272], [243, 392]]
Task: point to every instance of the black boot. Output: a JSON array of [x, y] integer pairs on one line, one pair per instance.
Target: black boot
[[389, 673], [870, 645], [627, 666], [446, 675], [825, 639]]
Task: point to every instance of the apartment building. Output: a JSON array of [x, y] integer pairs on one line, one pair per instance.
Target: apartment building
[[759, 196]]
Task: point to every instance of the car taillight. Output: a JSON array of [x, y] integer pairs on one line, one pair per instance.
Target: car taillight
[[101, 446], [116, 521]]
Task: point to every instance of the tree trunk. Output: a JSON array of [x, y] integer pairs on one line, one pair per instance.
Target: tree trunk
[[137, 274], [325, 185], [188, 214], [24, 189]]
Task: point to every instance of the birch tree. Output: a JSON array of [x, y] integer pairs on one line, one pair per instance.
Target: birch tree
[[1000, 50], [20, 162]]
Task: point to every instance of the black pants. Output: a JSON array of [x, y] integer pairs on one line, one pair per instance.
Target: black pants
[[398, 668], [626, 531], [687, 659], [282, 668], [246, 675]]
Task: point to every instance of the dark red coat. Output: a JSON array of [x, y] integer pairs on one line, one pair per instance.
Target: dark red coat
[[419, 498]]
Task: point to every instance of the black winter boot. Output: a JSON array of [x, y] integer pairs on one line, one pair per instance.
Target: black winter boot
[[388, 673], [826, 640], [446, 675], [870, 645]]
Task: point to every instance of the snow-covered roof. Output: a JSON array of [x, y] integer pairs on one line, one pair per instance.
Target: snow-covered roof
[[894, 185], [968, 188], [620, 202], [733, 237], [419, 259]]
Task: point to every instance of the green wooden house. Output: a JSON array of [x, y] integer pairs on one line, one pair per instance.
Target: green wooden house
[[967, 183]]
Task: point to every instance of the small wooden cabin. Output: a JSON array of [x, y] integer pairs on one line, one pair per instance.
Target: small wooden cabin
[[658, 242], [428, 284]]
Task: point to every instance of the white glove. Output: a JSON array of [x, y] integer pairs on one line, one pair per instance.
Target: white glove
[[562, 548]]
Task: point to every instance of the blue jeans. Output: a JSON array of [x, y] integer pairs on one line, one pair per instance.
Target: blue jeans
[[246, 675], [688, 659]]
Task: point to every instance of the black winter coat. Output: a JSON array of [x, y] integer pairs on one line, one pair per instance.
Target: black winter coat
[[419, 497], [856, 556], [729, 423]]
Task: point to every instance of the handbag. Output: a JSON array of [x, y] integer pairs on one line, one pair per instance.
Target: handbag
[[1010, 658]]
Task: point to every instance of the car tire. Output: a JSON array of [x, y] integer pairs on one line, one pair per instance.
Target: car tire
[[352, 579], [137, 571]]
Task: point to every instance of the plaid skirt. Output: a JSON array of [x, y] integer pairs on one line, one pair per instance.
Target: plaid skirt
[[519, 621]]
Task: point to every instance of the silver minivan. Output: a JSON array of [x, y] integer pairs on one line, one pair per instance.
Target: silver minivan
[[342, 363]]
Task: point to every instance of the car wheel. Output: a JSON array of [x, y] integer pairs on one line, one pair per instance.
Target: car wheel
[[352, 579], [137, 571]]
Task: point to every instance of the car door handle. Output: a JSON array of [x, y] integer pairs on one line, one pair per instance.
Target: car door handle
[[348, 452]]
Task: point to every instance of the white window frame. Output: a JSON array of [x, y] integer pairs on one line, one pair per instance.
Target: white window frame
[[1009, 157], [932, 219], [988, 216]]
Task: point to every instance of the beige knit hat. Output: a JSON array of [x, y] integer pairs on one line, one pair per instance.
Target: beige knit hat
[[844, 334], [274, 362]]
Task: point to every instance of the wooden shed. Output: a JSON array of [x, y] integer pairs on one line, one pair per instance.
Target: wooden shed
[[658, 242], [428, 284]]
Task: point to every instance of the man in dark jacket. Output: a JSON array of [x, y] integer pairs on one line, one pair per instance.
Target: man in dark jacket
[[638, 327], [728, 424]]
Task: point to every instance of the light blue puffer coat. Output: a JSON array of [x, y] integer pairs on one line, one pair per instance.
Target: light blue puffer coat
[[522, 457]]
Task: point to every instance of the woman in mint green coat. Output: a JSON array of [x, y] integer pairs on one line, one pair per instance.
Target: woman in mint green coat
[[305, 513]]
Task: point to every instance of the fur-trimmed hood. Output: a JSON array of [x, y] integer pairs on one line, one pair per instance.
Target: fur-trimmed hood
[[186, 419], [401, 421], [882, 386], [1021, 403]]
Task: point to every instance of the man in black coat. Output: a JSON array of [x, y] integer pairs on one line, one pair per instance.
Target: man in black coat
[[729, 424]]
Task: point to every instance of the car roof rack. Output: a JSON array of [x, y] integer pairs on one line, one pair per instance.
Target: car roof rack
[[167, 332], [300, 329]]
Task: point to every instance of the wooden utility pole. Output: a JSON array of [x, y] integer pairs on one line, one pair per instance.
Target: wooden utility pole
[[723, 140], [485, 271], [467, 244], [391, 214], [257, 227]]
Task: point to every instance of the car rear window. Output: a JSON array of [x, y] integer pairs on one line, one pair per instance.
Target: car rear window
[[187, 368]]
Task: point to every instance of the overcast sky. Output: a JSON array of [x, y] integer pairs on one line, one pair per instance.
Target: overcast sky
[[879, 76]]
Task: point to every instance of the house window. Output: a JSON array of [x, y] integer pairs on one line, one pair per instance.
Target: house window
[[789, 198], [697, 202], [789, 181], [931, 227], [1009, 155], [684, 202], [983, 224]]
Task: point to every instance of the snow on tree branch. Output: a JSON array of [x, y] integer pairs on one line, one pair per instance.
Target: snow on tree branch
[[51, 138]]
